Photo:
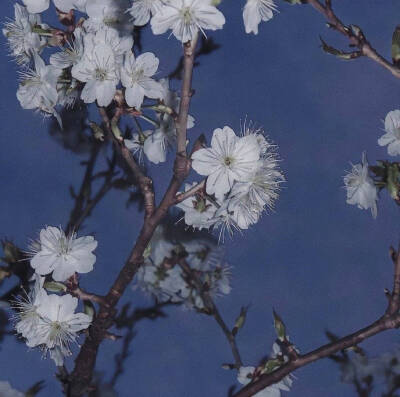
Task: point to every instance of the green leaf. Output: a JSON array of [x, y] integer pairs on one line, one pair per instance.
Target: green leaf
[[271, 365]]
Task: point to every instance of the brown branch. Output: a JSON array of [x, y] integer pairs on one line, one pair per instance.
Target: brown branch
[[84, 295], [191, 192], [213, 310], [186, 94], [390, 320], [354, 34], [85, 362], [145, 183]]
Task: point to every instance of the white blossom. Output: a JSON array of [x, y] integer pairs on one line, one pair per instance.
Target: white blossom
[[23, 41], [199, 212], [165, 135], [230, 158], [108, 14], [7, 391], [358, 367], [360, 187], [70, 55], [154, 147], [186, 17], [220, 280], [392, 136], [256, 11], [38, 86], [242, 211], [136, 143], [245, 376], [163, 277], [36, 6], [172, 100], [59, 324], [27, 318], [136, 78], [63, 255], [99, 66], [67, 5], [142, 10]]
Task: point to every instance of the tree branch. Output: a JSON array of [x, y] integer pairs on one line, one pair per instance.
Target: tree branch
[[85, 362], [390, 320], [186, 94], [354, 34], [145, 183]]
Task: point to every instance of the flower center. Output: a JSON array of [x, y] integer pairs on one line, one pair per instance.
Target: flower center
[[56, 329], [100, 74], [64, 246], [186, 14], [200, 205], [137, 75], [228, 161]]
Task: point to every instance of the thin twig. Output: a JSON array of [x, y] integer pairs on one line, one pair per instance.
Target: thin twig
[[212, 308], [356, 36]]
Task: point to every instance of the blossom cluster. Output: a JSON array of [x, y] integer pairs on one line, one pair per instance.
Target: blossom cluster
[[243, 179], [97, 56], [358, 367], [361, 188], [6, 390], [247, 374], [162, 276], [49, 321]]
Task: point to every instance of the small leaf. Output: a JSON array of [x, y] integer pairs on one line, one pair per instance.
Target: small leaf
[[271, 365], [116, 131]]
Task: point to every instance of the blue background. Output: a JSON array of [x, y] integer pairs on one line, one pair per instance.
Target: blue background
[[321, 263]]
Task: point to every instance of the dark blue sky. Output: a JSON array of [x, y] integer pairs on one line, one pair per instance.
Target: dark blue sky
[[321, 263]]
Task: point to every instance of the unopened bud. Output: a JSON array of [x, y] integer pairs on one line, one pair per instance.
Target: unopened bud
[[98, 132], [116, 131], [240, 321], [54, 286], [11, 252], [279, 327], [88, 308]]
